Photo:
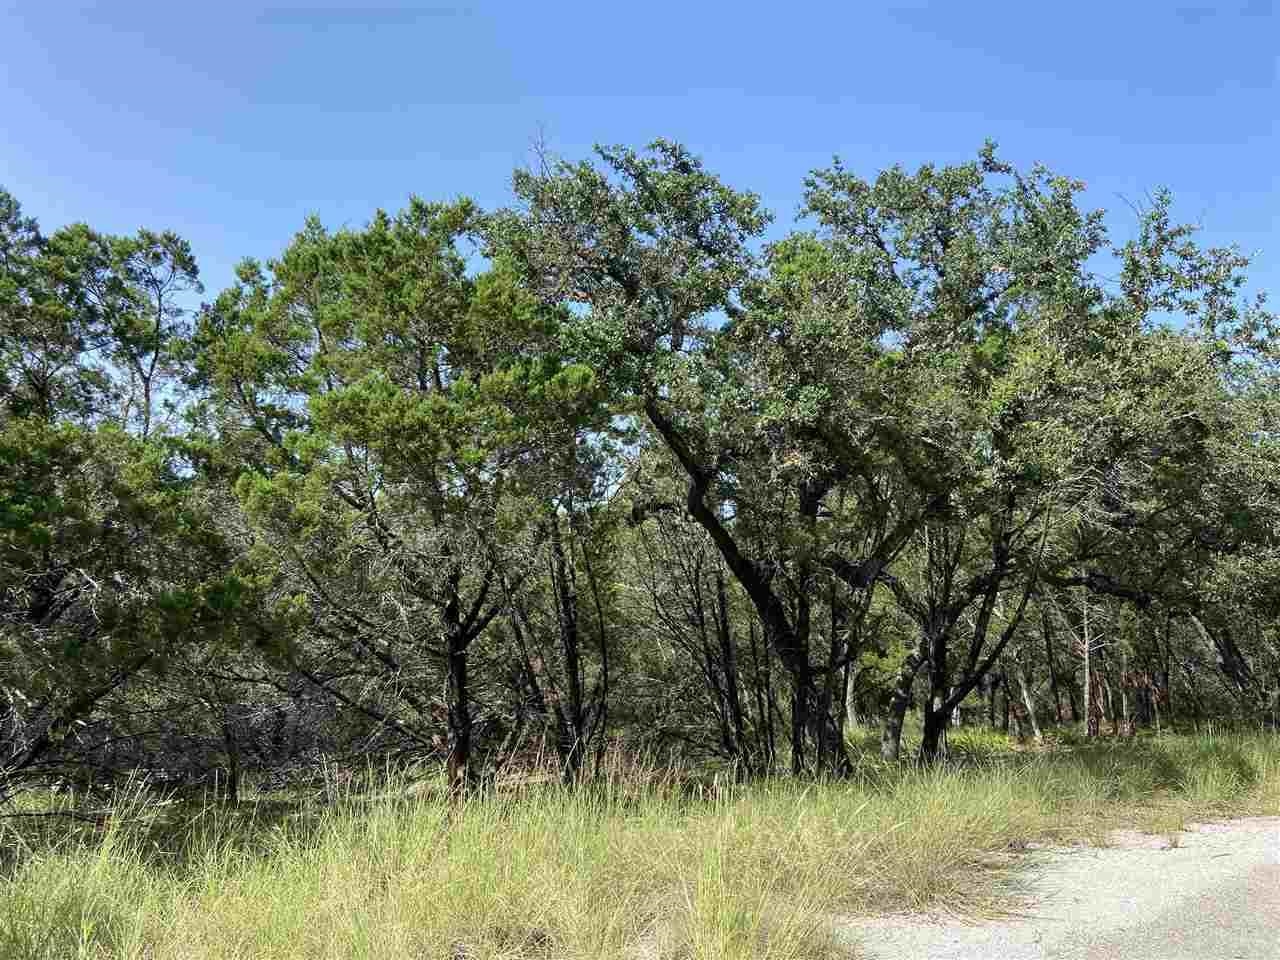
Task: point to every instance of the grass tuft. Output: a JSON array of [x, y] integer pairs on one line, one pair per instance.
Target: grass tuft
[[636, 867]]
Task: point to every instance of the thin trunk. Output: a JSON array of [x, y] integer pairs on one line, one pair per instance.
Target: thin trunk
[[459, 707], [1127, 724], [1090, 721], [764, 721], [600, 697], [1025, 689], [729, 661], [1054, 689], [1167, 671], [571, 744], [803, 695], [233, 759], [1164, 690], [800, 688], [773, 713], [1008, 706], [1011, 709], [1109, 712], [1155, 709], [709, 658], [831, 749]]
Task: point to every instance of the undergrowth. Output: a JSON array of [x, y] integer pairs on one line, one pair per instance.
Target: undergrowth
[[643, 866]]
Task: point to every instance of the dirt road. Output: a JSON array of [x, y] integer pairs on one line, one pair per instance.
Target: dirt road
[[1211, 893]]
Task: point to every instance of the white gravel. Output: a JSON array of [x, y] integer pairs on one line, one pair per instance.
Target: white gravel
[[1211, 894]]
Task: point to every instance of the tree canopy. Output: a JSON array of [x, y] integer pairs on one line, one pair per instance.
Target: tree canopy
[[607, 466]]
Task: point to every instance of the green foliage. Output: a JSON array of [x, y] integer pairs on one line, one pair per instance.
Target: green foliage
[[637, 473], [111, 564]]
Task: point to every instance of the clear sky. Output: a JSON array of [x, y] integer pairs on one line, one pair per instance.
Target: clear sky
[[230, 123]]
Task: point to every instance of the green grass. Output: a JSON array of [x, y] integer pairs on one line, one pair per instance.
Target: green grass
[[638, 867]]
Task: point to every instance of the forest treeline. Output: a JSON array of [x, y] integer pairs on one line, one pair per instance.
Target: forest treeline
[[604, 469]]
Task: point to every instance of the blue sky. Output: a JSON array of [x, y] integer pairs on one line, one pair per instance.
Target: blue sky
[[230, 123]]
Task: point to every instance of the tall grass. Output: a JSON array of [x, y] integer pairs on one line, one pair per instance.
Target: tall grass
[[631, 868]]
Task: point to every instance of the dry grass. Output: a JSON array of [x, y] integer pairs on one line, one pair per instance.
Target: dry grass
[[633, 868]]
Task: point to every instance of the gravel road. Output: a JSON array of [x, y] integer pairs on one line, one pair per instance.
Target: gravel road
[[1211, 894]]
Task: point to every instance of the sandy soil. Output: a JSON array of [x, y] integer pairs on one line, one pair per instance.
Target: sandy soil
[[1210, 893]]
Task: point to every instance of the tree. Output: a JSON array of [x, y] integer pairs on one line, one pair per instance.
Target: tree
[[650, 255], [109, 563], [1194, 494], [388, 411]]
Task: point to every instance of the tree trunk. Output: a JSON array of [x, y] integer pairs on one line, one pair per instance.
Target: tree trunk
[[1012, 713], [1167, 672], [1109, 710], [832, 755], [933, 743], [729, 661], [1233, 664], [1027, 701], [848, 691], [800, 704], [1126, 728], [762, 690], [233, 758], [459, 717], [891, 734], [600, 696], [1164, 691], [571, 742], [1090, 720], [827, 737], [1072, 704], [788, 638], [1054, 689]]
